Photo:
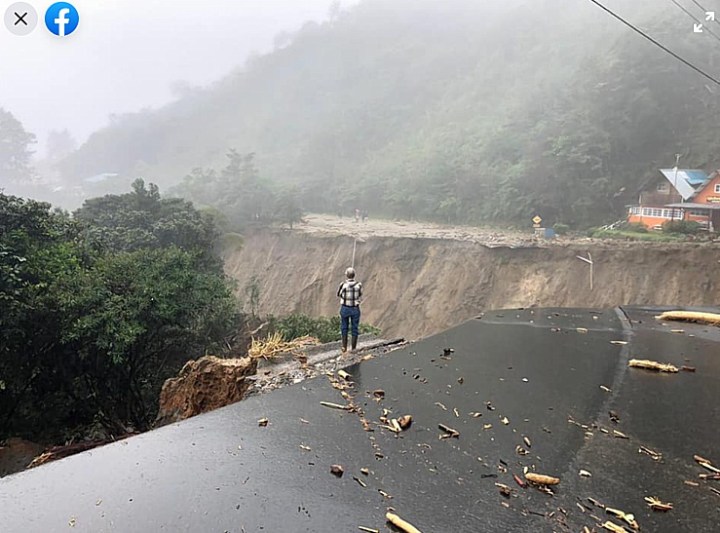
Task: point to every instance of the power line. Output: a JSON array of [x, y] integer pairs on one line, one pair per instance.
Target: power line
[[656, 43], [697, 20], [698, 4], [705, 10]]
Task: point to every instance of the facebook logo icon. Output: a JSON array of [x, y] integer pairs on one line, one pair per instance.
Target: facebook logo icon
[[62, 18]]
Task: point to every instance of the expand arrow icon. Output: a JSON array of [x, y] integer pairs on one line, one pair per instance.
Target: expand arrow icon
[[710, 15], [697, 28]]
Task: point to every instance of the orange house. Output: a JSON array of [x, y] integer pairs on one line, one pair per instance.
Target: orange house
[[679, 194]]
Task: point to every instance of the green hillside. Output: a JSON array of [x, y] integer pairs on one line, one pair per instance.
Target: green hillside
[[459, 111]]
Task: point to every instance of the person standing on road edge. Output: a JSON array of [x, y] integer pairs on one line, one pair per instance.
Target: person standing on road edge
[[350, 294]]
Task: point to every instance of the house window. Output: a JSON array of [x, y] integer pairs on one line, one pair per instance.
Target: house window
[[697, 212], [717, 188], [658, 212], [663, 186]]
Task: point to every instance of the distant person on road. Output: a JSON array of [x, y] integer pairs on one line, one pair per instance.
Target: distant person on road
[[350, 294], [364, 215], [357, 215]]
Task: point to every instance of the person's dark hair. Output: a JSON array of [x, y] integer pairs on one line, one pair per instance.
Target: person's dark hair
[[350, 273]]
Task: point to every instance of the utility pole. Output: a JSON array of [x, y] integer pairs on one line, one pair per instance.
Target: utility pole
[[353, 258], [589, 261], [677, 162], [356, 239]]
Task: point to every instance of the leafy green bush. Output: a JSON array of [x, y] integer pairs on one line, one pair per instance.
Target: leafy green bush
[[561, 229], [325, 329], [634, 236], [682, 227], [231, 242], [637, 227]]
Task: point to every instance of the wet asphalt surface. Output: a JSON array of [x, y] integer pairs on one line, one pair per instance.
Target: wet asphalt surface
[[223, 472]]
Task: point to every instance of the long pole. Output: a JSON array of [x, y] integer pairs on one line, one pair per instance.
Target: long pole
[[590, 262], [677, 162], [353, 258]]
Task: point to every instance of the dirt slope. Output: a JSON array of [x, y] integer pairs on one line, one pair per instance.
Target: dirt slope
[[418, 286], [203, 385]]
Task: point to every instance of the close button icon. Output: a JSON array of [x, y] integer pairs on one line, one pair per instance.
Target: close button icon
[[21, 18]]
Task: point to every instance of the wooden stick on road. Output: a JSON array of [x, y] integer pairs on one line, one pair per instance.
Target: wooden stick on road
[[395, 520]]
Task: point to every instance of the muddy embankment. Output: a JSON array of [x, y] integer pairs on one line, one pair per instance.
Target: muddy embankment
[[416, 287]]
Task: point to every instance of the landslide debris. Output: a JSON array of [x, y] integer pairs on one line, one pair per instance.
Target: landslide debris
[[203, 385], [16, 454]]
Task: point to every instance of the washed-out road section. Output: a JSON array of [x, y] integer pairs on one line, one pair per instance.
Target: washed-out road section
[[545, 372]]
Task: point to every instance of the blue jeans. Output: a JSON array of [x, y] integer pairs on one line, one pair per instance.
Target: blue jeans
[[350, 316]]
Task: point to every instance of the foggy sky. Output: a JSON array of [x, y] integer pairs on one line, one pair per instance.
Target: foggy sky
[[125, 55]]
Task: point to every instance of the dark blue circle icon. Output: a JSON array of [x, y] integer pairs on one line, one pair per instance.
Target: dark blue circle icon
[[62, 18]]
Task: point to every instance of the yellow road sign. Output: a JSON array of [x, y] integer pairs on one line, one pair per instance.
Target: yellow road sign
[[536, 219]]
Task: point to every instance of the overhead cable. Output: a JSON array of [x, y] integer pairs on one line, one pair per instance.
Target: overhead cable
[[656, 43]]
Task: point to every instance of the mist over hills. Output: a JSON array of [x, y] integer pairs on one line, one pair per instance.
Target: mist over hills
[[459, 111]]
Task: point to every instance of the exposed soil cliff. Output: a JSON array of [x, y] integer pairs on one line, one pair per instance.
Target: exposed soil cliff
[[203, 385], [418, 286]]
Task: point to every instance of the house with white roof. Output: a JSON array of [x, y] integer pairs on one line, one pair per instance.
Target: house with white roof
[[679, 194]]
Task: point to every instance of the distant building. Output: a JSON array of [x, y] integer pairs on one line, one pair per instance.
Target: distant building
[[680, 194]]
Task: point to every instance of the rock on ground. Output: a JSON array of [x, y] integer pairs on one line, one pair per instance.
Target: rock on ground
[[16, 454], [203, 385]]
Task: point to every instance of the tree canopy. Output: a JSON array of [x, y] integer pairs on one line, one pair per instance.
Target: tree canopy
[[142, 219], [459, 111], [241, 195], [100, 308], [15, 149]]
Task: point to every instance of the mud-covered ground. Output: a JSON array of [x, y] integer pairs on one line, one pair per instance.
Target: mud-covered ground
[[327, 224], [488, 236]]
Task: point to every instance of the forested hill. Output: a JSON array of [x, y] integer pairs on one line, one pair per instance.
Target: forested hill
[[460, 111]]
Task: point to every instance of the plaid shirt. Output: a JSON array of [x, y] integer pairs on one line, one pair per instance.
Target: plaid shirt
[[350, 293]]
